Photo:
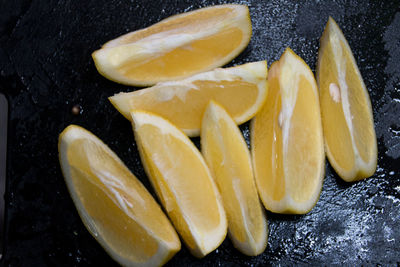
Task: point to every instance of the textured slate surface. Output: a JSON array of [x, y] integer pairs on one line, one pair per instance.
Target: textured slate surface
[[46, 69]]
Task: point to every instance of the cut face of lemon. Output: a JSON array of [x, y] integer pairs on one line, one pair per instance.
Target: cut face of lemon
[[286, 139], [176, 47], [345, 108], [241, 90], [182, 182], [228, 158], [114, 206]]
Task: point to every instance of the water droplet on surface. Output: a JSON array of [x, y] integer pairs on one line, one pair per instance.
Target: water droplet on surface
[[380, 172], [395, 129]]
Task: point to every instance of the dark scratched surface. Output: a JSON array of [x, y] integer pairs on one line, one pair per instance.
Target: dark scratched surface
[[46, 69]]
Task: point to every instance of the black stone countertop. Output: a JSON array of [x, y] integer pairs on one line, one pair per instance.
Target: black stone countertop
[[46, 69]]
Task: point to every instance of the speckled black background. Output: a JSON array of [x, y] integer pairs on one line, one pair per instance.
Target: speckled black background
[[46, 69]]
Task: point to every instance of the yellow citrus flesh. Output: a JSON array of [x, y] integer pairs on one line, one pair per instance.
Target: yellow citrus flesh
[[345, 108], [205, 50], [176, 47], [228, 158], [287, 140], [114, 206], [182, 182], [241, 90]]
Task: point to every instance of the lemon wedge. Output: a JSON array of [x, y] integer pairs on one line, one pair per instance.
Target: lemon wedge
[[228, 158], [346, 111], [242, 90], [114, 206], [176, 47], [182, 182], [287, 140]]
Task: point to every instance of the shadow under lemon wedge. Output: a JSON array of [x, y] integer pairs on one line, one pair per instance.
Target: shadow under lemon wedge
[[226, 153], [176, 47], [287, 140], [182, 182], [114, 206], [242, 90], [346, 111]]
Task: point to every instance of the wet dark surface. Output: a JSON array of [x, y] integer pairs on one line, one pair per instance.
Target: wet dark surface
[[46, 70]]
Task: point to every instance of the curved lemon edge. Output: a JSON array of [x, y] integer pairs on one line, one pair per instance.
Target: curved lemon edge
[[106, 70], [294, 207], [246, 116], [287, 205], [121, 100], [204, 244], [361, 170], [116, 41], [251, 248], [248, 247], [122, 105], [165, 251]]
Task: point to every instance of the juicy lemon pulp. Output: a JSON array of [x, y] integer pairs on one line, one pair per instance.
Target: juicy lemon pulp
[[199, 98], [337, 136], [241, 89], [114, 206], [269, 165], [228, 158], [182, 182], [176, 47], [303, 159], [160, 145], [359, 103], [207, 16], [345, 107], [114, 224], [287, 141], [197, 54]]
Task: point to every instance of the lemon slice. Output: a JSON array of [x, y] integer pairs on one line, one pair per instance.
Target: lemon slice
[[241, 90], [345, 108], [228, 158], [176, 47], [286, 139], [182, 182], [114, 206]]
